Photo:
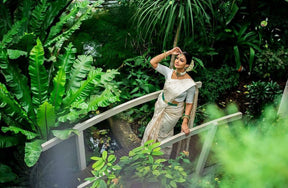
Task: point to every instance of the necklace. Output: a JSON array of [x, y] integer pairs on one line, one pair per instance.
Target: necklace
[[180, 73]]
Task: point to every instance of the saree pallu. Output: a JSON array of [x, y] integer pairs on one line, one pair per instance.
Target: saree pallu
[[162, 123], [166, 116]]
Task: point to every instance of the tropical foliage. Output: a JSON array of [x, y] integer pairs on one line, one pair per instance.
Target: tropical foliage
[[171, 16], [144, 167], [55, 88]]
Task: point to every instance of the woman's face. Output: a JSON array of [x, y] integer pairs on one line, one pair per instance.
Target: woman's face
[[180, 61]]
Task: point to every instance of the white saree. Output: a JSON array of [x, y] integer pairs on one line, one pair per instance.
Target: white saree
[[166, 116]]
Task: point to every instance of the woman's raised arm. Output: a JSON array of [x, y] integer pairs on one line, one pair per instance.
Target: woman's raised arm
[[155, 60]]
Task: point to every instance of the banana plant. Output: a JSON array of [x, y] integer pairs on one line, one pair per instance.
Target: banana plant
[[46, 97]]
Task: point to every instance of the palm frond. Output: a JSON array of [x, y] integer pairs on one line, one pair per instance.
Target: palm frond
[[38, 74]]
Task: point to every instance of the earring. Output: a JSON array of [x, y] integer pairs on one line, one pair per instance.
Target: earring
[[190, 66]]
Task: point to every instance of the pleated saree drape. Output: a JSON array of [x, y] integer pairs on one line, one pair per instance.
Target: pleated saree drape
[[166, 116]]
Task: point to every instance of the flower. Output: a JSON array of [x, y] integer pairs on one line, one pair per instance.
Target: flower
[[186, 153], [115, 181], [264, 23]]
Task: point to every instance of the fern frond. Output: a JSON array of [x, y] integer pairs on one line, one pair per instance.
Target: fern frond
[[14, 34], [16, 81], [12, 108], [38, 74], [30, 135], [59, 25], [46, 118], [106, 98], [66, 61], [53, 12], [58, 88], [79, 71], [38, 17], [60, 39]]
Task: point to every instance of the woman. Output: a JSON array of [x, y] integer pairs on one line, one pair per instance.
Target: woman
[[179, 88]]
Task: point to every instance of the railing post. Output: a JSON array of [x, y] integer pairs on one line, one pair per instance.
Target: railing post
[[206, 149], [283, 107], [81, 155]]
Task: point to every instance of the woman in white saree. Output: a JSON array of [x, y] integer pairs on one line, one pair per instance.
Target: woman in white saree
[[178, 94]]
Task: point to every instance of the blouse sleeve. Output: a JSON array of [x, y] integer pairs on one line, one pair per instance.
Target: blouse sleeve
[[163, 70], [190, 94]]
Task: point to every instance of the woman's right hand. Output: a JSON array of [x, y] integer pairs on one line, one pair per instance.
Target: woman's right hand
[[175, 51]]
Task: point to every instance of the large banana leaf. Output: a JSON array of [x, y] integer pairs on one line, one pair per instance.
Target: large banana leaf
[[38, 74], [10, 107], [79, 71], [46, 118], [32, 152]]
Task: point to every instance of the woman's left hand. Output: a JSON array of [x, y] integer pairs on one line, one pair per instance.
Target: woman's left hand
[[185, 128]]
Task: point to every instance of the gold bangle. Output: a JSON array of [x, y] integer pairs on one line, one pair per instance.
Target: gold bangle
[[186, 116], [165, 55]]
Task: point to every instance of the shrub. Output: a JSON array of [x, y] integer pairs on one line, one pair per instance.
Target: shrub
[[216, 82], [254, 156], [271, 64], [260, 94], [143, 167]]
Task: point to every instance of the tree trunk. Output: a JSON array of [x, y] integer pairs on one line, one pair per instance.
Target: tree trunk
[[175, 43]]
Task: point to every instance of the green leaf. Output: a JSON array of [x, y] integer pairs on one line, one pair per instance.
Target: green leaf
[[79, 71], [173, 184], [32, 152], [102, 184], [237, 57], [11, 108], [64, 134], [9, 141], [251, 58], [14, 34], [46, 118], [6, 174], [15, 54], [16, 130], [104, 155], [98, 165], [38, 17], [17, 83], [58, 88], [232, 14], [38, 74], [111, 158]]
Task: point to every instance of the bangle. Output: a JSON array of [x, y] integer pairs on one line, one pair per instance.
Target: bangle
[[165, 55], [186, 116]]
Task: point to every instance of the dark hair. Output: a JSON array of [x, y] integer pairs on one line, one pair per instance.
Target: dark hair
[[188, 57]]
